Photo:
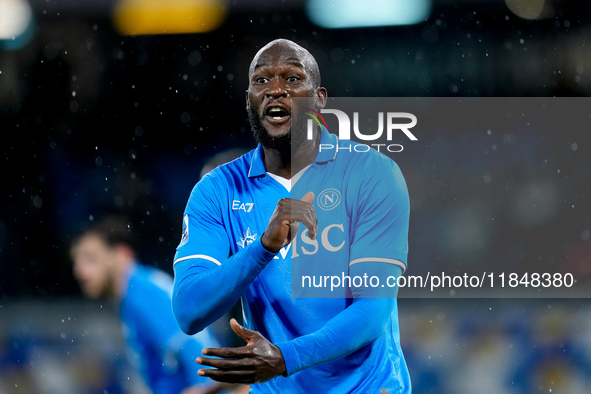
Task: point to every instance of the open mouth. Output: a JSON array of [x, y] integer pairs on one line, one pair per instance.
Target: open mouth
[[277, 113]]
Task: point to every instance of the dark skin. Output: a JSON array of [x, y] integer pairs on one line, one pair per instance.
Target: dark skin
[[279, 71]]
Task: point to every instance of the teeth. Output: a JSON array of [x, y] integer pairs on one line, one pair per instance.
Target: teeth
[[277, 112]]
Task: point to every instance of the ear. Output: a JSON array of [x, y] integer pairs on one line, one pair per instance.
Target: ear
[[247, 99], [321, 95]]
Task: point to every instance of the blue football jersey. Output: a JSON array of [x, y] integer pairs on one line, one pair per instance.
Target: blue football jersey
[[361, 202], [156, 347]]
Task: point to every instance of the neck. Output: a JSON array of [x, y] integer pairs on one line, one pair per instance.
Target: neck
[[287, 164]]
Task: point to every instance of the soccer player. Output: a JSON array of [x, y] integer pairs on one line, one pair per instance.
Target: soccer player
[[241, 237], [105, 266]]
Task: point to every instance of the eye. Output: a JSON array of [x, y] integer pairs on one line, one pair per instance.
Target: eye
[[261, 79], [293, 78]]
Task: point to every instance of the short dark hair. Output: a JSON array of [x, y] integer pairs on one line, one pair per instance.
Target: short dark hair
[[113, 230]]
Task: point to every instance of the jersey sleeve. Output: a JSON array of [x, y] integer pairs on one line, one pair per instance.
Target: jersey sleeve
[[202, 260], [381, 215], [344, 333], [204, 237]]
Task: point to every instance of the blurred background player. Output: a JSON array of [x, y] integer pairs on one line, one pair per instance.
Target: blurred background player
[[105, 266]]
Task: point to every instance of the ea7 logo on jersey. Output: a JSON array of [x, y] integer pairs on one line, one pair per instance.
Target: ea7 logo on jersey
[[242, 206], [329, 199]]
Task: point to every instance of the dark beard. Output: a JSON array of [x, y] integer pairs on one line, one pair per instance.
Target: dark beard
[[282, 143]]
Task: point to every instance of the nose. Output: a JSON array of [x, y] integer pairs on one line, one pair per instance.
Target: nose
[[276, 89]]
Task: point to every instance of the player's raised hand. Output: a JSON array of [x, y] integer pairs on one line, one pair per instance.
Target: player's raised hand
[[288, 214], [257, 362]]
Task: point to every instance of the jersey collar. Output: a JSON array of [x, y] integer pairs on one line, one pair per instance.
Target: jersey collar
[[324, 153], [257, 165]]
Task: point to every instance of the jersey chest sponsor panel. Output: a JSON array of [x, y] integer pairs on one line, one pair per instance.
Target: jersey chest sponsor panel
[[251, 207], [328, 254], [333, 223]]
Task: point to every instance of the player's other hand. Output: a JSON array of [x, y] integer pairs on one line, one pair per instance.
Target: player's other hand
[[284, 223], [257, 362]]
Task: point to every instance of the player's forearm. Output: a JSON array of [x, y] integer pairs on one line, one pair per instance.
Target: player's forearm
[[203, 294], [195, 303], [358, 325]]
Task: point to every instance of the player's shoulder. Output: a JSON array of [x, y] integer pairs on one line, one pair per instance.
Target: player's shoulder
[[149, 291], [228, 172], [223, 176], [148, 278], [240, 165]]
